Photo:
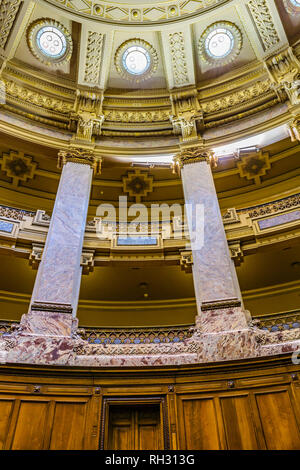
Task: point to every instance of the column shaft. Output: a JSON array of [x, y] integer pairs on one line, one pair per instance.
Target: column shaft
[[57, 283]]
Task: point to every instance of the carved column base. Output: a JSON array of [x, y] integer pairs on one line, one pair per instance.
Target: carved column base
[[222, 317], [49, 320]]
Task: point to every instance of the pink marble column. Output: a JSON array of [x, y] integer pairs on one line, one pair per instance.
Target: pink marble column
[[55, 296], [216, 288]]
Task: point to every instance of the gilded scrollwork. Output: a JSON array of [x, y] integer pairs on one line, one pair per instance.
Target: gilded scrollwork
[[8, 12]]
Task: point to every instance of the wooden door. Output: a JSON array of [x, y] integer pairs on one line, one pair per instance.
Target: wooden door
[[135, 428]]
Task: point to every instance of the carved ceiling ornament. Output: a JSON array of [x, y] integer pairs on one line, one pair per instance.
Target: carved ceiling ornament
[[254, 165], [137, 184], [93, 57], [178, 58], [264, 23], [152, 56], [156, 12], [87, 118], [187, 116], [224, 28], [35, 30], [18, 166], [8, 12], [284, 69]]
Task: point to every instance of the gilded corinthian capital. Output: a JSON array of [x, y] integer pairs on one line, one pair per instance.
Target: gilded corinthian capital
[[194, 155], [82, 156]]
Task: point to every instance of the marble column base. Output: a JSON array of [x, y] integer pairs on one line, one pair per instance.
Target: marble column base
[[43, 323], [222, 320]]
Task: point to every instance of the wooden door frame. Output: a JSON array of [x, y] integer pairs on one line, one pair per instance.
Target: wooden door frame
[[122, 401]]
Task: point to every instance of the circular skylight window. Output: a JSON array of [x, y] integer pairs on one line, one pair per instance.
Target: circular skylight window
[[49, 41], [136, 60], [292, 6], [220, 43]]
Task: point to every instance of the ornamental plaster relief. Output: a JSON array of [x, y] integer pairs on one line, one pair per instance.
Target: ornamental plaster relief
[[8, 13], [263, 20], [93, 59]]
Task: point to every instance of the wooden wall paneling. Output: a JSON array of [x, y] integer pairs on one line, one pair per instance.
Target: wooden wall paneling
[[278, 419], [172, 417], [69, 424], [93, 421], [200, 427], [30, 428], [238, 420], [295, 397], [7, 406]]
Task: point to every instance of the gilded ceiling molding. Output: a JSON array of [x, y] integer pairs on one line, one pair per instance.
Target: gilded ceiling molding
[[8, 12], [124, 13], [178, 58], [81, 156], [87, 118], [36, 98], [128, 116], [264, 23], [93, 57], [187, 116], [241, 96], [294, 129], [284, 70]]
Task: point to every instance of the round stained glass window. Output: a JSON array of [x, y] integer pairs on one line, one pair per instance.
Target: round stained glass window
[[136, 60], [219, 43], [51, 42]]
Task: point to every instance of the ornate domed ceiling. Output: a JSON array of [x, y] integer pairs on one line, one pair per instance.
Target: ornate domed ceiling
[[146, 77]]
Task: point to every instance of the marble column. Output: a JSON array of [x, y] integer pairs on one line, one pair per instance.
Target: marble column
[[55, 296], [216, 287]]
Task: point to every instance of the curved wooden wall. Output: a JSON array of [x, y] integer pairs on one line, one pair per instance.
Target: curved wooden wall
[[236, 405]]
